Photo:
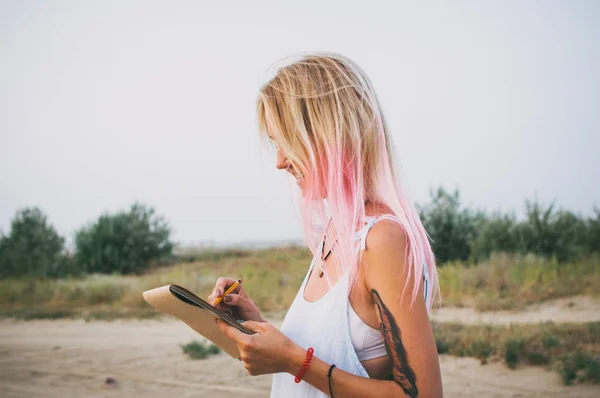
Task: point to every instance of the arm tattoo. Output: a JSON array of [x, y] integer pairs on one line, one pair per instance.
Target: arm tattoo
[[401, 370]]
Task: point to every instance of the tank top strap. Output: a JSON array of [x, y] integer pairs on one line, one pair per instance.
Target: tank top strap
[[361, 234]]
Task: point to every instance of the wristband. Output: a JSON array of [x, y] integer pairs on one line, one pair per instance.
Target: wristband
[[329, 378], [309, 354]]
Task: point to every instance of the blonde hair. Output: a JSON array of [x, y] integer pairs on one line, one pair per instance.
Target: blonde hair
[[324, 115]]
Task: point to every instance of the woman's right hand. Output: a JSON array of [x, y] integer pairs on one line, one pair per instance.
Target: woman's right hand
[[236, 303]]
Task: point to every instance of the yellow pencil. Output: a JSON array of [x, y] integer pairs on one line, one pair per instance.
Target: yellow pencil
[[231, 289]]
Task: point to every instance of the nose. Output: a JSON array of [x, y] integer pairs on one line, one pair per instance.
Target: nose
[[282, 162]]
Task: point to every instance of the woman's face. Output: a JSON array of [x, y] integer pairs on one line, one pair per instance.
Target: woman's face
[[282, 163]]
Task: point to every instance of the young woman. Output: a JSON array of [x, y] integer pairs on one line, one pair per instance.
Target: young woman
[[359, 325]]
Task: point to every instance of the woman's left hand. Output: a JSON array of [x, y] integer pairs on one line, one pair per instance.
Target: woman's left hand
[[264, 352]]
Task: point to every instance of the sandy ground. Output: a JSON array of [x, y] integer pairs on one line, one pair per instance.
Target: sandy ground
[[70, 358], [573, 309]]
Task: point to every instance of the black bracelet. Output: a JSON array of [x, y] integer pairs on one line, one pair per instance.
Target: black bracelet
[[329, 377]]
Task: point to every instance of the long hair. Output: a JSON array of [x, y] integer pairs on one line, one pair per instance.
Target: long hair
[[323, 112]]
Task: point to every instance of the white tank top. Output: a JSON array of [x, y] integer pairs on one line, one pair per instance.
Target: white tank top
[[332, 328]]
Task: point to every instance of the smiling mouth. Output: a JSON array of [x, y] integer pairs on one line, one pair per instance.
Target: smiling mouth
[[293, 173]]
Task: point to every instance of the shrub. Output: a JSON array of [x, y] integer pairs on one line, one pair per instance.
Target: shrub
[[579, 366], [125, 242], [513, 352], [197, 350], [443, 346], [481, 349], [496, 234], [33, 247], [461, 234], [451, 227]]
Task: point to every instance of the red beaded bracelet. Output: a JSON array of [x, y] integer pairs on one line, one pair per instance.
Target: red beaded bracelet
[[309, 354]]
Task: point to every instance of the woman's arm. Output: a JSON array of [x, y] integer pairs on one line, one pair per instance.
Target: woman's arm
[[343, 384], [270, 351], [406, 331]]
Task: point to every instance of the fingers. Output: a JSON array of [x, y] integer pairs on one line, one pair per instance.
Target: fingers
[[232, 299], [235, 300], [212, 298], [225, 309], [222, 285], [231, 332]]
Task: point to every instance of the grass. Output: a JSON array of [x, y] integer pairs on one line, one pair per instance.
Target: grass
[[197, 350], [40, 313], [272, 278], [507, 282], [192, 255], [88, 314], [573, 350]]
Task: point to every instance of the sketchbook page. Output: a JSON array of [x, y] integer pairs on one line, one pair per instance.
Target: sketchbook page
[[201, 320], [189, 297]]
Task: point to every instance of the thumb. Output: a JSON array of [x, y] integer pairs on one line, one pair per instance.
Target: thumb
[[257, 327], [231, 332]]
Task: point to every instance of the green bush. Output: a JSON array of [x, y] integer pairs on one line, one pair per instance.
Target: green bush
[[559, 234], [496, 234], [443, 346], [125, 242], [513, 352], [579, 366], [460, 234], [550, 341], [537, 358], [451, 227], [481, 349], [197, 350], [32, 248]]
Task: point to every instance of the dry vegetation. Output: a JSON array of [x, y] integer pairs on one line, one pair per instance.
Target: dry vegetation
[[573, 350], [272, 277], [506, 282]]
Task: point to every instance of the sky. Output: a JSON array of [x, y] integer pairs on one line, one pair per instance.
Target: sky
[[106, 103]]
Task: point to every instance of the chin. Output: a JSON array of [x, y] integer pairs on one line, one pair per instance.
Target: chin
[[300, 184], [313, 195]]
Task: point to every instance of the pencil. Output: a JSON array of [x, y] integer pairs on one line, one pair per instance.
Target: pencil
[[231, 289]]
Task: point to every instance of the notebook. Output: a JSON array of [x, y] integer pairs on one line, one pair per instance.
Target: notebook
[[197, 313]]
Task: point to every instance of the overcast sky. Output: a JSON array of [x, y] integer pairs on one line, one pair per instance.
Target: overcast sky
[[103, 103]]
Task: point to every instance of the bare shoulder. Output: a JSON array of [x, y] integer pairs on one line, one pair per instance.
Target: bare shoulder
[[385, 237], [385, 251]]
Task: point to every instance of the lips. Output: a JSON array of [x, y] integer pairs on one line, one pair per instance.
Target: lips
[[293, 173]]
